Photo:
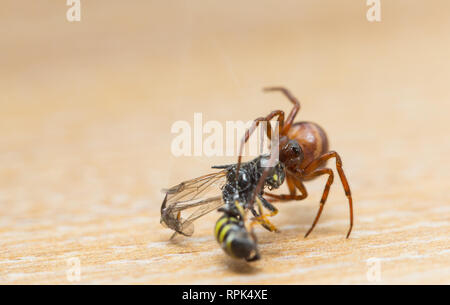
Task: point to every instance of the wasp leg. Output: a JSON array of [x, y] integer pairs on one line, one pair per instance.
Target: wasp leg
[[258, 220], [261, 218], [241, 210]]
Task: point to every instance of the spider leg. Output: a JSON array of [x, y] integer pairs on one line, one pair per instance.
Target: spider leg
[[293, 183], [280, 118], [294, 111], [310, 170], [316, 173], [255, 124]]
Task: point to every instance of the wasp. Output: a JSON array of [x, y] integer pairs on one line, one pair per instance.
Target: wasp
[[197, 197]]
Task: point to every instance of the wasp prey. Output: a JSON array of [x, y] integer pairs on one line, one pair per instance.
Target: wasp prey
[[231, 191]]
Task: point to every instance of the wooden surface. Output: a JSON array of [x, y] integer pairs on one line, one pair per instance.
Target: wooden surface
[[86, 111]]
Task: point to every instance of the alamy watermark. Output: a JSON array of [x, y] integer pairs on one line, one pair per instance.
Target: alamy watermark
[[212, 138], [373, 270], [374, 11], [73, 272], [74, 11]]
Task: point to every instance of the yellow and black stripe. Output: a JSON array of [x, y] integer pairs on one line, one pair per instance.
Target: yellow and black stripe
[[225, 230]]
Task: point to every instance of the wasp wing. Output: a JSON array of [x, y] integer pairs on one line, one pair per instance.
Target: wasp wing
[[195, 197]]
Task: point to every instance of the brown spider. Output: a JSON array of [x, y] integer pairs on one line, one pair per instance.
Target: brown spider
[[303, 148]]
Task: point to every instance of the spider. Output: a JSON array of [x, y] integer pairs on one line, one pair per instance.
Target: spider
[[303, 148]]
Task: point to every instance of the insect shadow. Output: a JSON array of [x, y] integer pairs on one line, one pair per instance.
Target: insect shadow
[[240, 266]]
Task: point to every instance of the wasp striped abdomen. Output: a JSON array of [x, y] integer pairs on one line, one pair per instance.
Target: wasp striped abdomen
[[234, 239]]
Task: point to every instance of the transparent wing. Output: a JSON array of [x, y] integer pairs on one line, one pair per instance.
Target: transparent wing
[[194, 198]]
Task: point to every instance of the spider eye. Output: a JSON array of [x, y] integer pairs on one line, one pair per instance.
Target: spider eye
[[295, 148]]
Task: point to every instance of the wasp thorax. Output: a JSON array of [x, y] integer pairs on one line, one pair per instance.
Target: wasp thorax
[[243, 179]]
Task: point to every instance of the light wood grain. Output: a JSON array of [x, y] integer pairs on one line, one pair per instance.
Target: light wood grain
[[86, 111]]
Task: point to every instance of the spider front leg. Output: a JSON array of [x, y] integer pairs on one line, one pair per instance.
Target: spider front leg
[[294, 111], [276, 113], [255, 124], [293, 184]]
